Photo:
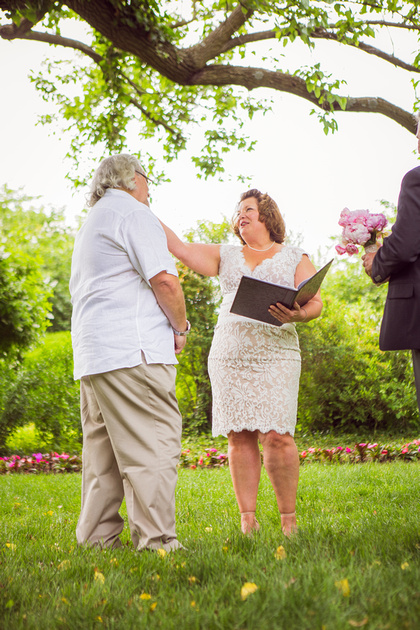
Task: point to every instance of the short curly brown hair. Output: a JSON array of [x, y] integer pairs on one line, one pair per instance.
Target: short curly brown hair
[[269, 215]]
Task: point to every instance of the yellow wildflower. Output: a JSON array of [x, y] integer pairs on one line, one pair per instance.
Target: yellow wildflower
[[99, 576], [343, 586], [247, 589], [280, 553]]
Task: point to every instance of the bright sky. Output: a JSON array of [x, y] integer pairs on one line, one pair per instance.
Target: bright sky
[[310, 175]]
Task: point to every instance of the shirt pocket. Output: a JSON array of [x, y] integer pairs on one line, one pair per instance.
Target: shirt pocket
[[400, 291]]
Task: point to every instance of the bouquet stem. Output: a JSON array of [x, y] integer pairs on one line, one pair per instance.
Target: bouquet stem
[[371, 247]]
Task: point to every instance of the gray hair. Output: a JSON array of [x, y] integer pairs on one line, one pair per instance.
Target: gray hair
[[116, 171]]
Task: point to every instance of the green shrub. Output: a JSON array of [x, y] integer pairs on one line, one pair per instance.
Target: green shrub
[[25, 440], [347, 383], [193, 387], [45, 394], [23, 301]]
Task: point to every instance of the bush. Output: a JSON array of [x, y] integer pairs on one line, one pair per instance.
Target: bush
[[347, 383], [193, 387], [25, 440], [23, 302], [45, 394]]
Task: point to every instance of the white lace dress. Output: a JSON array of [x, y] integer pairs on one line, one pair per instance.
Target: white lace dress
[[254, 367]]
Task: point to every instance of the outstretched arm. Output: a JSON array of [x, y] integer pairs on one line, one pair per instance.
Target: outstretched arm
[[200, 257]]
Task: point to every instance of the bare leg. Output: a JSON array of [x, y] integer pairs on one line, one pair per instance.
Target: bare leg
[[281, 461], [245, 469]]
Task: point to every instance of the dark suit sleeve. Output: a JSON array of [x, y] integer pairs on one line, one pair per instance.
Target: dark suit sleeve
[[402, 247]]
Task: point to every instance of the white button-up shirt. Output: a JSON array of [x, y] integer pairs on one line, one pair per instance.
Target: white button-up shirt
[[116, 316]]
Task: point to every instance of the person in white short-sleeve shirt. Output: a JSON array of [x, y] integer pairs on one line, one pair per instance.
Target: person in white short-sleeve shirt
[[115, 314], [128, 324]]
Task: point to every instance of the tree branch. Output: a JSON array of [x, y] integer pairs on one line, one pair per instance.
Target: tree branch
[[181, 23], [252, 78], [371, 50], [248, 38], [13, 31], [379, 105], [157, 122], [187, 66], [410, 27], [215, 42], [57, 40], [322, 34], [135, 39]]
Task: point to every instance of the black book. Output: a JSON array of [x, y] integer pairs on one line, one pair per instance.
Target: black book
[[254, 297]]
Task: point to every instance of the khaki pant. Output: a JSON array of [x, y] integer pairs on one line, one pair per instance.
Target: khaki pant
[[131, 446]]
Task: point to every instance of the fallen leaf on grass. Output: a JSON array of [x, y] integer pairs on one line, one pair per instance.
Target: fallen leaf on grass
[[405, 566], [145, 596], [99, 577], [247, 589], [343, 586], [280, 553], [358, 624]]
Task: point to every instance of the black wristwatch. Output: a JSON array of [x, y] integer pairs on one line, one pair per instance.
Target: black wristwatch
[[185, 332]]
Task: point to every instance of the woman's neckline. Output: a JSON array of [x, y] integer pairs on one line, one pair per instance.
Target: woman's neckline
[[263, 260]]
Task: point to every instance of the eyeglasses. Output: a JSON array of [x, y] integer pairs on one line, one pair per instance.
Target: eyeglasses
[[148, 180]]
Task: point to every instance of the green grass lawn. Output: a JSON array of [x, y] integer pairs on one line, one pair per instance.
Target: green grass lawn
[[354, 563]]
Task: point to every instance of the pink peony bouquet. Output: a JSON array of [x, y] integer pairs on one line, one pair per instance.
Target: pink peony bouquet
[[360, 227]]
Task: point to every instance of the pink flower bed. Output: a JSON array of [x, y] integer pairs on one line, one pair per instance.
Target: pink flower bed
[[41, 462], [363, 452], [213, 458]]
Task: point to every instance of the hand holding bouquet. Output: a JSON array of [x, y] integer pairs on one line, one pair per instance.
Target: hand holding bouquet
[[360, 227]]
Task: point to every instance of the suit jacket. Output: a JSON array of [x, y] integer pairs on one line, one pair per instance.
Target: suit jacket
[[399, 260]]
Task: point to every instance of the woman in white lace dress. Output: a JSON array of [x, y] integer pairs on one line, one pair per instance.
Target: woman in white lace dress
[[255, 367]]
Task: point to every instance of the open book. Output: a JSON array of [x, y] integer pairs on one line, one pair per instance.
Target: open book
[[253, 297]]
